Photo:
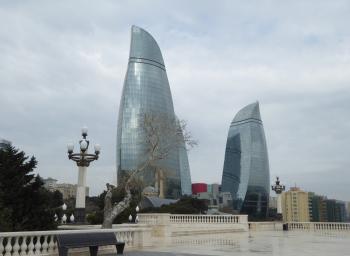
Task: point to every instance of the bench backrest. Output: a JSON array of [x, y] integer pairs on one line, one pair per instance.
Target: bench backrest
[[85, 239]]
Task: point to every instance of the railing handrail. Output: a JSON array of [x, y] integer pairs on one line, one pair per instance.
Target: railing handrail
[[70, 231], [295, 222], [190, 215]]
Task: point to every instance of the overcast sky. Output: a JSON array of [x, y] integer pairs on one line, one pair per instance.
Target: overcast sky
[[62, 66]]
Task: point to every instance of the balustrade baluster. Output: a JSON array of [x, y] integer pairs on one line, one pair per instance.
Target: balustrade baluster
[[45, 245], [119, 237], [37, 246], [8, 247], [1, 245], [51, 248], [126, 235], [131, 238], [31, 246], [16, 247], [23, 246]]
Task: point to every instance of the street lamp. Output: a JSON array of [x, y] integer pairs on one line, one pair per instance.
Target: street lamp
[[278, 188], [83, 160]]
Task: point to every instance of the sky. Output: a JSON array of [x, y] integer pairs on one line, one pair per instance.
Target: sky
[[63, 63]]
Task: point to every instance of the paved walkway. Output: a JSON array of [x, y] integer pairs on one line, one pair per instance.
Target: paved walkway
[[274, 243], [158, 254]]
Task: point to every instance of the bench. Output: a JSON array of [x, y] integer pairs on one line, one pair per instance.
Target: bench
[[91, 240]]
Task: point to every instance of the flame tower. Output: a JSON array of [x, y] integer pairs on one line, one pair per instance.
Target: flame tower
[[246, 172], [146, 90]]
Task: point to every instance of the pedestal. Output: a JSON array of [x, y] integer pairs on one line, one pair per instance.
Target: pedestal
[[79, 215], [279, 204], [80, 197]]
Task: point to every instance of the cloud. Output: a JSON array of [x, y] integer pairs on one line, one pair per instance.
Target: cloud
[[63, 64]]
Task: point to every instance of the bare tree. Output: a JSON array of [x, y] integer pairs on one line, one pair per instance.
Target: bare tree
[[162, 135]]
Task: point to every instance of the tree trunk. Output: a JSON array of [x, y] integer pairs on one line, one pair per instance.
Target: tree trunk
[[111, 214], [107, 222]]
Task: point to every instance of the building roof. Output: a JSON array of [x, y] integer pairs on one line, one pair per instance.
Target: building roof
[[143, 46], [251, 111]]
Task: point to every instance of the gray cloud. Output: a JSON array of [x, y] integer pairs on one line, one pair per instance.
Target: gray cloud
[[62, 66]]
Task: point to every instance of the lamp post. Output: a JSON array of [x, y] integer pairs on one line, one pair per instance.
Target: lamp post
[[278, 188], [83, 160]]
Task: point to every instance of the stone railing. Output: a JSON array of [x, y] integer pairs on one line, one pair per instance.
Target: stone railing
[[165, 218], [207, 219], [167, 225], [44, 242], [315, 226], [265, 226]]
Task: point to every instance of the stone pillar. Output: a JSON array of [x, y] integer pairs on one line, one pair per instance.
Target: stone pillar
[[279, 204], [81, 194]]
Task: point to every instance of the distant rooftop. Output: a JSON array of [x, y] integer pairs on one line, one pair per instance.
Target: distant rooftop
[[156, 201]]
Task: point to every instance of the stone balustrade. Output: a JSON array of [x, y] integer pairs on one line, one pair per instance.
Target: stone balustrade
[[206, 219], [165, 218], [315, 226], [44, 242], [168, 225], [265, 226]]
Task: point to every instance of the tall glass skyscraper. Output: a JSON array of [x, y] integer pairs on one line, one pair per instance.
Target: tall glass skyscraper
[[246, 172], [146, 91]]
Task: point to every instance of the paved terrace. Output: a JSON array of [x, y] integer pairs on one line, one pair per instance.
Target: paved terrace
[[166, 234], [286, 243]]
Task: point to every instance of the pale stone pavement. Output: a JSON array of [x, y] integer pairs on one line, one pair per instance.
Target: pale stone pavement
[[275, 243]]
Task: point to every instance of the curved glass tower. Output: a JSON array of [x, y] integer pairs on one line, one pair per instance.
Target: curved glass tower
[[146, 91], [246, 172]]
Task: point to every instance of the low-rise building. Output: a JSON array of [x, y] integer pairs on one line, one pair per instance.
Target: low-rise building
[[209, 192], [67, 190]]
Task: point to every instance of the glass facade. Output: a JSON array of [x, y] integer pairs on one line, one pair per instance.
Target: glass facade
[[246, 168], [184, 171], [146, 91]]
